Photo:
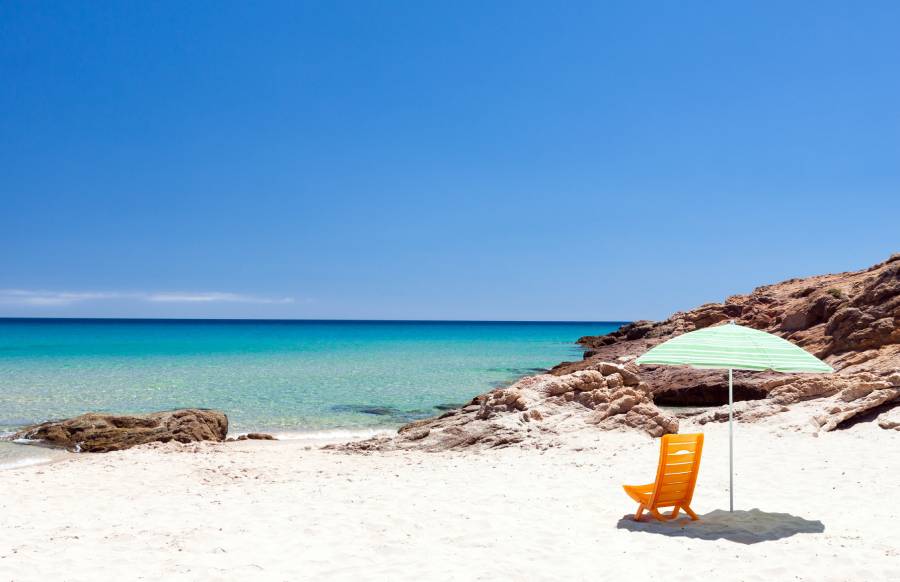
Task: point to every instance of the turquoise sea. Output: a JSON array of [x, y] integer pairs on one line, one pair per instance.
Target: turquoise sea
[[275, 376]]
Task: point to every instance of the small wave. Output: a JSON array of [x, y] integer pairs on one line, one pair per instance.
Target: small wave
[[26, 462]]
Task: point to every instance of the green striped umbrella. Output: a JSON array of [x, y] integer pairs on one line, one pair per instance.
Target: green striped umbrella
[[734, 347]]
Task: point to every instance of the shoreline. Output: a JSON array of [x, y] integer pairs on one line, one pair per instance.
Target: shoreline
[[16, 455], [290, 510], [41, 454], [268, 378], [331, 434]]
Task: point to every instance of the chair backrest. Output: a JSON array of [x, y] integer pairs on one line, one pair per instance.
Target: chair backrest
[[679, 463]]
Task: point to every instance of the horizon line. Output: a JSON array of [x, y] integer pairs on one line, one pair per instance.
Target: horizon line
[[280, 319]]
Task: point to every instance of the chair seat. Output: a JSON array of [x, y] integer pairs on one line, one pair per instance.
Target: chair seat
[[640, 493]]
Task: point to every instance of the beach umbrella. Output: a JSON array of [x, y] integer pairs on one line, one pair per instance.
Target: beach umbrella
[[733, 347]]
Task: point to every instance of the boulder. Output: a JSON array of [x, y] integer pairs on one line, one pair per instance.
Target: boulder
[[890, 420], [628, 373], [256, 436], [100, 433], [840, 412]]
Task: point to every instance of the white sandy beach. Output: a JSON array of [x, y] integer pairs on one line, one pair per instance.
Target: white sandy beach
[[808, 509]]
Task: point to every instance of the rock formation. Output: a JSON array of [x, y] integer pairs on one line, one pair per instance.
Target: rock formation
[[100, 433], [851, 320]]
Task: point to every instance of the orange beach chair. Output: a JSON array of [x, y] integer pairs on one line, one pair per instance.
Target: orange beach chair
[[679, 463]]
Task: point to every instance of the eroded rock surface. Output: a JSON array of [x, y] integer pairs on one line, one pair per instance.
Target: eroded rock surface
[[100, 433], [851, 320]]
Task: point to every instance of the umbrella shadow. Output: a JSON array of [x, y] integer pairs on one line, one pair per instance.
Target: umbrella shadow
[[743, 527]]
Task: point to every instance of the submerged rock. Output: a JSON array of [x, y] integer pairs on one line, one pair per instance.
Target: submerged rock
[[449, 406], [367, 409], [100, 433], [395, 414], [536, 411]]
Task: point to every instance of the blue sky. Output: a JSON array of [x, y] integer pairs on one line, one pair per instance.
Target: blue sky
[[455, 160]]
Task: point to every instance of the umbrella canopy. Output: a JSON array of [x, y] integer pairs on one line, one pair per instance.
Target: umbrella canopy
[[733, 347]]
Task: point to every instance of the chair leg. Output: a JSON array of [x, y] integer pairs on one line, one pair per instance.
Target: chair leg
[[640, 512], [690, 512], [674, 513], [658, 515]]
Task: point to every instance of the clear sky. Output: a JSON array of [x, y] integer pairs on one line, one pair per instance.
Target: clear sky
[[439, 160]]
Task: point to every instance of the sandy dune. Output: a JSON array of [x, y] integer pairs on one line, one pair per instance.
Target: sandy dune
[[809, 509]]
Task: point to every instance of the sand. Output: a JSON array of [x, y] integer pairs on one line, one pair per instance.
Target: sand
[[808, 508]]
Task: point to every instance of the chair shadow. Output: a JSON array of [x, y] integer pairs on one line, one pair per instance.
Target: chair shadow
[[743, 527]]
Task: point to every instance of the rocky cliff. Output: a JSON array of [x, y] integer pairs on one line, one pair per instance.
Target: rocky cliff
[[851, 320]]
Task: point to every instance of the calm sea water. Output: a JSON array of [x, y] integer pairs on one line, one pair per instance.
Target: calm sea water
[[269, 375]]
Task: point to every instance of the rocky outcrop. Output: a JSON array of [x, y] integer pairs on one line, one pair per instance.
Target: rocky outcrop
[[537, 411], [100, 433], [851, 320]]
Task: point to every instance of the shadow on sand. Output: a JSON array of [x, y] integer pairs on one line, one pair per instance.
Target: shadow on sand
[[743, 527]]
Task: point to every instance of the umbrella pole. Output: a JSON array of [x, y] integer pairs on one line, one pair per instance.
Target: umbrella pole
[[730, 447]]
